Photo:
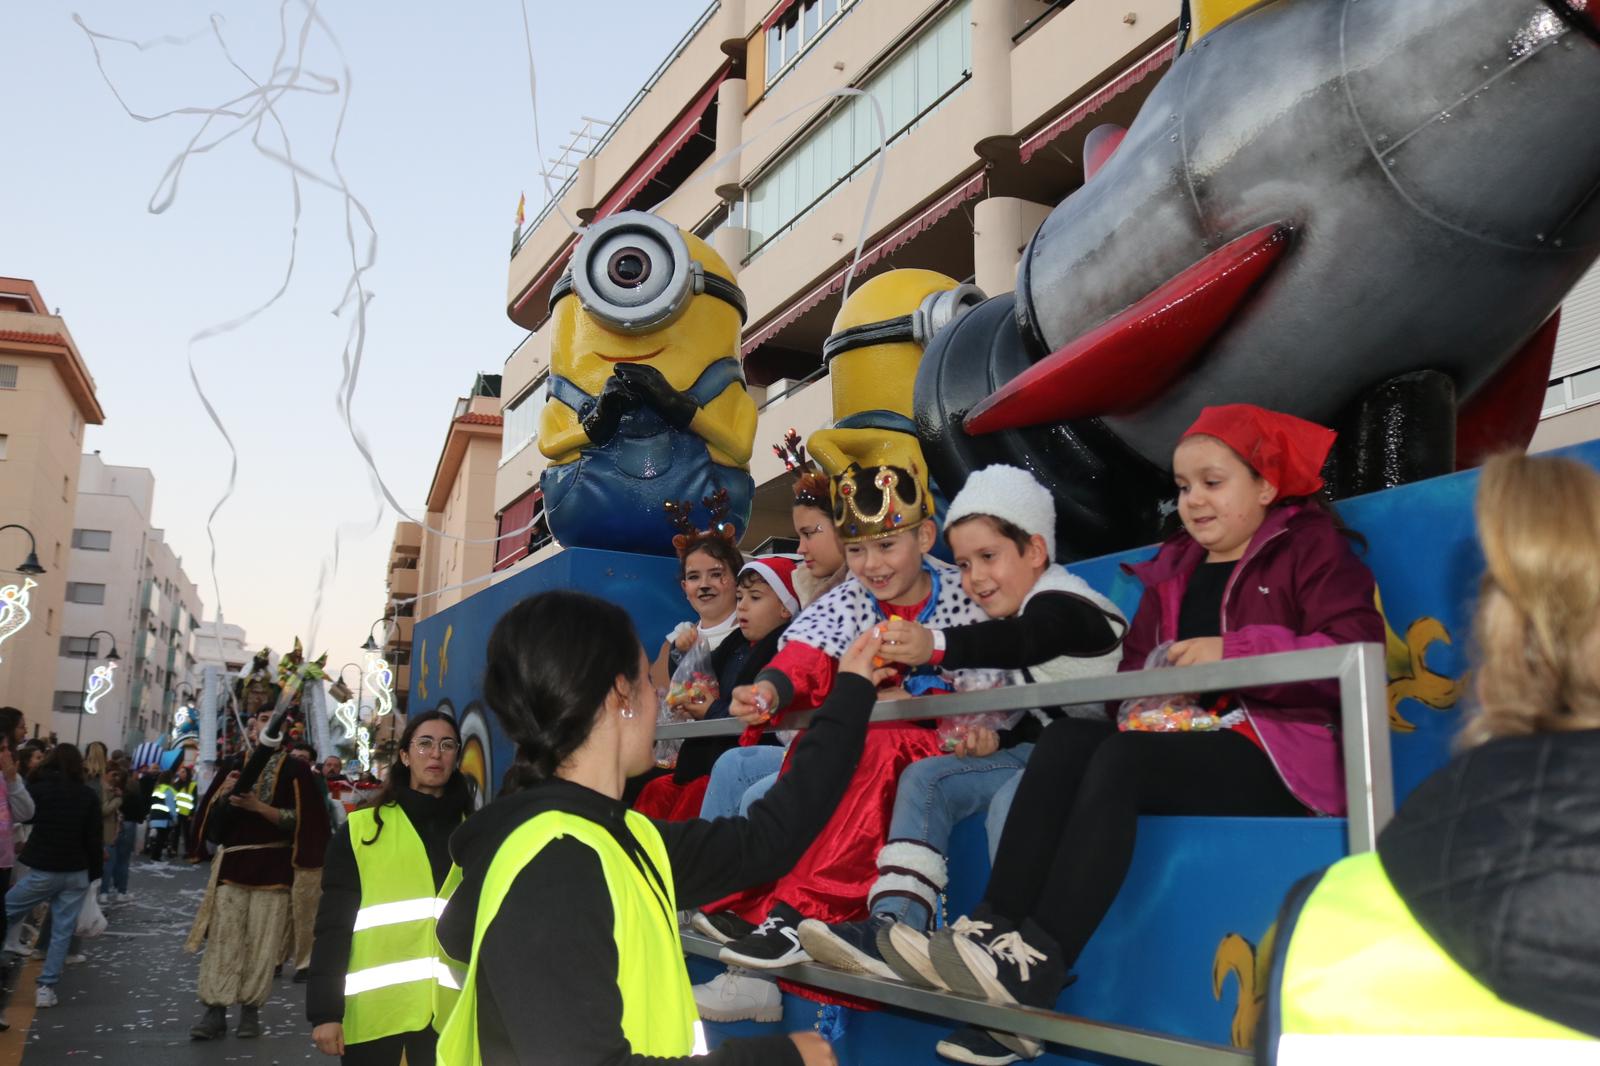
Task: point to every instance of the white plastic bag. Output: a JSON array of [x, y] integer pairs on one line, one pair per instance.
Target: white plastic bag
[[91, 919], [693, 682]]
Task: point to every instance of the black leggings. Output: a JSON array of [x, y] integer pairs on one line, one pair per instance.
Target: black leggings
[[419, 1048], [1069, 837]]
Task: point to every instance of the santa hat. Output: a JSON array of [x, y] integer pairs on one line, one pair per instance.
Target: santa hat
[[1283, 449], [777, 571], [1010, 493]]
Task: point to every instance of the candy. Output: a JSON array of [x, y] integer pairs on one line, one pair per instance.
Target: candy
[[700, 688]]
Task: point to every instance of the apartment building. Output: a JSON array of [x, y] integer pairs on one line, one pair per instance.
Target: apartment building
[[405, 550], [125, 590], [220, 644], [741, 136], [46, 399], [460, 503]]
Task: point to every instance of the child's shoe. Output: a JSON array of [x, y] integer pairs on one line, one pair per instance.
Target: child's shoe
[[774, 944]]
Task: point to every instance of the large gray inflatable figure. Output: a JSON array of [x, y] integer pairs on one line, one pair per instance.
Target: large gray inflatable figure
[[1363, 212]]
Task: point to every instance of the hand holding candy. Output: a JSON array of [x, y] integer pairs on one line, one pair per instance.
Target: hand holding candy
[[685, 636], [695, 696], [1196, 651], [907, 642], [754, 704], [864, 658]]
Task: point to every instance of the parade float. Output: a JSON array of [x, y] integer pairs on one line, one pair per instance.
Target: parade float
[[1362, 212]]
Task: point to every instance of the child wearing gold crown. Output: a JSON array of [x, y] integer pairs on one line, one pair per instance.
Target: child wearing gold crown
[[885, 516]]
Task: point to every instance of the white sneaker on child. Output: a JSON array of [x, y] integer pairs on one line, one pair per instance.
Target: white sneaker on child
[[45, 997], [733, 996]]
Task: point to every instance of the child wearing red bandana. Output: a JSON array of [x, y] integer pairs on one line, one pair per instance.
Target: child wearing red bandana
[[1260, 566]]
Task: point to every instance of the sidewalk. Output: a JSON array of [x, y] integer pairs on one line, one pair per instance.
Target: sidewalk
[[135, 994]]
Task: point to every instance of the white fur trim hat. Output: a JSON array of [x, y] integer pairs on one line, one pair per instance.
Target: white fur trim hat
[[1010, 493], [778, 571]]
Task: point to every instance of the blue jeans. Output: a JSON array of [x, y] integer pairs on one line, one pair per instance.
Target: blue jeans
[[736, 775], [121, 855], [933, 795], [64, 892]]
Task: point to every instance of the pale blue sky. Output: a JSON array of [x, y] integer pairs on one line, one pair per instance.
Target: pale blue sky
[[438, 143]]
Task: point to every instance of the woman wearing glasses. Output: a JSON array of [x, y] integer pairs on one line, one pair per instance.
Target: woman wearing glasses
[[369, 995]]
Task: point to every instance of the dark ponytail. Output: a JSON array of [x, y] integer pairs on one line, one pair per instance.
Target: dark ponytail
[[553, 660], [398, 778]]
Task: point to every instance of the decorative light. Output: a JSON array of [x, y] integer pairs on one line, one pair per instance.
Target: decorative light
[[101, 681], [345, 715], [364, 749], [14, 613], [183, 722], [380, 678]]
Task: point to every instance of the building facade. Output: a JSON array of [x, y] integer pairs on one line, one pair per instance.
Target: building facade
[[46, 399], [744, 137], [124, 583], [405, 552], [221, 644], [460, 504]]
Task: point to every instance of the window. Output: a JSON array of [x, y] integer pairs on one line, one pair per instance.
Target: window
[[800, 26], [85, 592], [1572, 392], [68, 701], [909, 87], [8, 376], [79, 647], [94, 540], [522, 418], [2, 445]]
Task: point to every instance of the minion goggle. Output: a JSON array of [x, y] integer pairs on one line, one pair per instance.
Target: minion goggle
[[634, 273], [936, 311]]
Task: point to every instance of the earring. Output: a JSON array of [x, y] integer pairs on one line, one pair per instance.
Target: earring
[[628, 712]]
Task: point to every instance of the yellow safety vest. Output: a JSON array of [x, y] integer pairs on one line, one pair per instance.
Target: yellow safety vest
[[185, 798], [658, 1012], [1362, 982], [394, 955]]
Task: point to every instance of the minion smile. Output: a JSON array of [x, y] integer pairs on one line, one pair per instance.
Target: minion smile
[[630, 358]]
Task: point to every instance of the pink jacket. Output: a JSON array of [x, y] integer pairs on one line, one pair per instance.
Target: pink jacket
[[1299, 585]]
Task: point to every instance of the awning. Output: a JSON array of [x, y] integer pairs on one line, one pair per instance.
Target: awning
[[670, 144], [968, 189], [1087, 107], [777, 13], [518, 514], [541, 285]]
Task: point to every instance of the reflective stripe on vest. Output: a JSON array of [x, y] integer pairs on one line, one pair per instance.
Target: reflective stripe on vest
[[658, 1011], [1363, 982], [185, 801], [394, 956]]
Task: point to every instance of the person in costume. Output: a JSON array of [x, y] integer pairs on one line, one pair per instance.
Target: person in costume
[[1045, 624], [558, 868], [708, 565], [885, 517], [279, 827], [369, 996], [647, 395], [1473, 923], [767, 603], [1260, 566]]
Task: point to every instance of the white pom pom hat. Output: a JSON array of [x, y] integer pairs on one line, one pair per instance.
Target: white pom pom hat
[[1010, 493]]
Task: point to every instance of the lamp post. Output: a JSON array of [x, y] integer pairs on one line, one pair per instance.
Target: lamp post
[[89, 653], [361, 683], [372, 645], [30, 565]]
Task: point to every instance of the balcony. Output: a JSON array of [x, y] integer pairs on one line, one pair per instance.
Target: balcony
[[402, 583]]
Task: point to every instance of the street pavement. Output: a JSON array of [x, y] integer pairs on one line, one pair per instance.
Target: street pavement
[[133, 1000]]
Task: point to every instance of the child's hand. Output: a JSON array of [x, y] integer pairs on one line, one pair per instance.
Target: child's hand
[[864, 657], [685, 636], [906, 642], [754, 704], [1196, 651], [977, 742], [696, 708]]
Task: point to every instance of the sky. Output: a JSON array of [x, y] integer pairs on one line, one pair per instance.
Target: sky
[[437, 143]]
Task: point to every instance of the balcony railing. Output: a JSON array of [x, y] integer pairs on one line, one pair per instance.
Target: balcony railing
[[1369, 784]]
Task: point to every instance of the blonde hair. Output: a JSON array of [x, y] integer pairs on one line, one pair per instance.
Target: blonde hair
[[94, 760], [1537, 627]]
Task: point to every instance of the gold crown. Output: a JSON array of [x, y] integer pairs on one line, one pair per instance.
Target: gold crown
[[890, 500]]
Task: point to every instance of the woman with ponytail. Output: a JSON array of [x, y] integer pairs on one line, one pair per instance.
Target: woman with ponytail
[[566, 917], [369, 996]]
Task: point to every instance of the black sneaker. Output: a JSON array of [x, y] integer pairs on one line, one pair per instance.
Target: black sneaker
[[976, 1047], [1003, 965], [775, 942], [848, 946], [724, 926]]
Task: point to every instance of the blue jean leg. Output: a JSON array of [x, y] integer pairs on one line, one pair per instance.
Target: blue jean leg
[[734, 773], [933, 795], [65, 893], [121, 856], [999, 807], [755, 792]]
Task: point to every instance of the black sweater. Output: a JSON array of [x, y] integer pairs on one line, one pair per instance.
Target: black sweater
[[547, 982], [66, 833], [434, 819]]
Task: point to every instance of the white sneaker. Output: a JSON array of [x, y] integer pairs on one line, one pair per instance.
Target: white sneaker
[[45, 997], [739, 997], [73, 960]]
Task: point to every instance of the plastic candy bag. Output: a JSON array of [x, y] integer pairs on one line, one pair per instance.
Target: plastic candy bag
[[693, 681], [954, 729], [1180, 713]]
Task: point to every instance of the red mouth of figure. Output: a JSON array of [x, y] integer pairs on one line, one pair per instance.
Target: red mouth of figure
[[630, 358]]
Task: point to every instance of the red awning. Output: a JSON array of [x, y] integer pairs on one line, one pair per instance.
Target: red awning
[[1086, 108], [668, 146], [777, 13], [517, 515], [547, 278], [967, 190]]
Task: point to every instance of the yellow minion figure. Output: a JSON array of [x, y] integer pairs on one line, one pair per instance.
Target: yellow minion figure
[[647, 395], [873, 355]]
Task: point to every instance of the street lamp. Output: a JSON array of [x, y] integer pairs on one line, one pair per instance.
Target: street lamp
[[89, 652], [30, 565], [372, 645]]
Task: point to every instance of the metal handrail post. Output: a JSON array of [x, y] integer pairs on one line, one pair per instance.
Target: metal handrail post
[[1364, 719]]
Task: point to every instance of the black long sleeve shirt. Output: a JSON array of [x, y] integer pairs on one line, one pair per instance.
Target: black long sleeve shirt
[[547, 981], [66, 834]]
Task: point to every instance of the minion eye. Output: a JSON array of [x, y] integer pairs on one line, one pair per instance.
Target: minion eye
[[629, 268]]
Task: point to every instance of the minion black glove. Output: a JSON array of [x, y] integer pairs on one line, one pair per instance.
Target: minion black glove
[[651, 388], [600, 421]]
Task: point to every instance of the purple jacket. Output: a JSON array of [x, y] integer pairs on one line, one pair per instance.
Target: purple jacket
[[1298, 586]]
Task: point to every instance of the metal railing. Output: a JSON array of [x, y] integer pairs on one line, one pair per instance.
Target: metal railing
[[1364, 715]]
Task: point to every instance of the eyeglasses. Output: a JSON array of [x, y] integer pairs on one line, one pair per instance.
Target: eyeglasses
[[425, 746]]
